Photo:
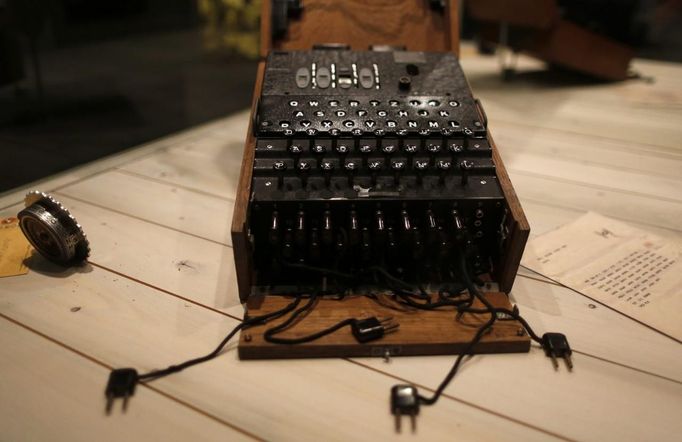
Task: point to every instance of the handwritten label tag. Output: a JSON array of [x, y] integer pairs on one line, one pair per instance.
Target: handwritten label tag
[[14, 248], [630, 270]]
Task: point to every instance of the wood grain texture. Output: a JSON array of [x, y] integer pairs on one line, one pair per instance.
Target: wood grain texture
[[409, 23], [595, 401], [57, 394], [420, 333], [240, 240], [209, 165], [130, 324], [626, 382], [634, 112], [182, 264], [517, 225], [170, 206]]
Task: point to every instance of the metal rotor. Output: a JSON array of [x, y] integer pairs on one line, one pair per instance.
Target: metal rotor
[[52, 230]]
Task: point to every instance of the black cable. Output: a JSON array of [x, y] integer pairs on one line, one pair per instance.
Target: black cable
[[269, 334], [247, 322], [490, 309]]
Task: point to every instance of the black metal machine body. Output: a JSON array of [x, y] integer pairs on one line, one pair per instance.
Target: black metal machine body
[[365, 159]]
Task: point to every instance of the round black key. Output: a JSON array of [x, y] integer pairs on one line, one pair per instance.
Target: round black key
[[455, 146], [433, 148], [375, 165], [421, 165], [327, 167], [389, 148], [351, 166], [319, 149], [366, 148], [397, 166], [411, 148], [280, 166], [295, 149], [342, 149], [444, 166], [303, 170]]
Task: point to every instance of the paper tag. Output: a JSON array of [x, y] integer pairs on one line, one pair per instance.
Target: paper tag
[[14, 248], [630, 270]]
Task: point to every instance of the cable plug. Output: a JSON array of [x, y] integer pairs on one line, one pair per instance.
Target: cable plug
[[404, 401], [556, 346], [122, 382], [370, 329]]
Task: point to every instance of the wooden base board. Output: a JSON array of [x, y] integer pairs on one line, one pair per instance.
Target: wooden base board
[[421, 332]]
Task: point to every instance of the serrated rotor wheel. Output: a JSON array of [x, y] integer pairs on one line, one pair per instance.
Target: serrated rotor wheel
[[52, 230]]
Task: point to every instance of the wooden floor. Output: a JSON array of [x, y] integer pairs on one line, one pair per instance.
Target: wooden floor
[[160, 288]]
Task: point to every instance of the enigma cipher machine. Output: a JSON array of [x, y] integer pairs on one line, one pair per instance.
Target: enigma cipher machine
[[365, 159], [373, 215]]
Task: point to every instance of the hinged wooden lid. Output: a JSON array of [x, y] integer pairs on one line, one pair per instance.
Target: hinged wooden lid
[[414, 24]]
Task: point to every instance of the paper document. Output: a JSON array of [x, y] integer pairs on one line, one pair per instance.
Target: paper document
[[625, 268], [14, 248]]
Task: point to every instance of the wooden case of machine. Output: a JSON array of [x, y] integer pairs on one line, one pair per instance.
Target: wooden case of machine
[[417, 25]]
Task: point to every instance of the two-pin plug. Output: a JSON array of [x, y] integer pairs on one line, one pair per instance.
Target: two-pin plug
[[373, 328], [404, 402], [121, 384], [556, 346]]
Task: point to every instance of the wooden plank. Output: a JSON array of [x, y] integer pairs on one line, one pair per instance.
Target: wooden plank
[[133, 325], [238, 228], [170, 260], [609, 202], [597, 401], [85, 171], [579, 149], [597, 330], [419, 333], [208, 165], [647, 113], [546, 216], [175, 207], [516, 223], [50, 393], [596, 176], [122, 346]]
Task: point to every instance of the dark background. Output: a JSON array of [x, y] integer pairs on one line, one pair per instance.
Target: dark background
[[82, 79]]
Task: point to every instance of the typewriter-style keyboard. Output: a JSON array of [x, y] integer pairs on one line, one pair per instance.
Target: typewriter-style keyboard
[[356, 151]]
